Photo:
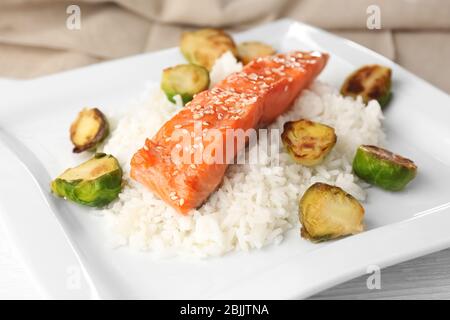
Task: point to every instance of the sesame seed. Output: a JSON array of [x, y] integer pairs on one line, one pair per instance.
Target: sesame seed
[[253, 76], [181, 202]]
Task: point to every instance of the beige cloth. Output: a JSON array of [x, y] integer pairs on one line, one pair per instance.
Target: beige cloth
[[34, 39]]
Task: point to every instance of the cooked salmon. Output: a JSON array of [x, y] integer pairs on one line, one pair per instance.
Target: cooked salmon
[[251, 98]]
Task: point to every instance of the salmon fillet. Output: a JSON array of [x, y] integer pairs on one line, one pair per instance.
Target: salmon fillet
[[249, 99]]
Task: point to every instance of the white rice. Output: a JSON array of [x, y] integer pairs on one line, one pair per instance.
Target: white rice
[[256, 204], [224, 66]]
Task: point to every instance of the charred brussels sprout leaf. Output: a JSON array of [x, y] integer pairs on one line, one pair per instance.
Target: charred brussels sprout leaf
[[383, 168], [204, 46], [247, 51], [94, 183], [308, 142], [369, 82], [88, 130], [328, 212], [185, 80]]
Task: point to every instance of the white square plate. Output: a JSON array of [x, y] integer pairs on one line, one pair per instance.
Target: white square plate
[[63, 244]]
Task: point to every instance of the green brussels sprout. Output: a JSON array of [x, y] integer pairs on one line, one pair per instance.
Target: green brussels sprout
[[88, 130], [383, 168], [249, 50], [185, 80], [369, 82], [202, 47], [308, 142], [327, 212], [94, 183]]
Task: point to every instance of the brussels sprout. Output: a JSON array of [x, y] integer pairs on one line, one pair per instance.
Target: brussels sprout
[[328, 212], [308, 142], [369, 82], [247, 51], [204, 46], [94, 183], [383, 168], [88, 130], [185, 80]]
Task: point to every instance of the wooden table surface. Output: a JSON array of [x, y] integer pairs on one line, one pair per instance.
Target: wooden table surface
[[427, 277]]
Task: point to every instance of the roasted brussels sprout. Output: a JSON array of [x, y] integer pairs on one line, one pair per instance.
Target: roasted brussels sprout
[[185, 80], [247, 51], [94, 183], [369, 82], [383, 168], [308, 142], [204, 46], [88, 130], [328, 212]]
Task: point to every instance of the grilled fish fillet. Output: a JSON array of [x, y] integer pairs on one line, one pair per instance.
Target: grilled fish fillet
[[251, 98]]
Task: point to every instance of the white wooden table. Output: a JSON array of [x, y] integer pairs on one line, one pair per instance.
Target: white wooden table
[[427, 277], [424, 278]]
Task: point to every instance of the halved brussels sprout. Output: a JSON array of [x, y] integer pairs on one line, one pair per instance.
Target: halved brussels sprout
[[88, 130], [185, 80], [204, 46], [308, 142], [328, 212], [247, 51], [383, 168], [369, 82], [94, 183]]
